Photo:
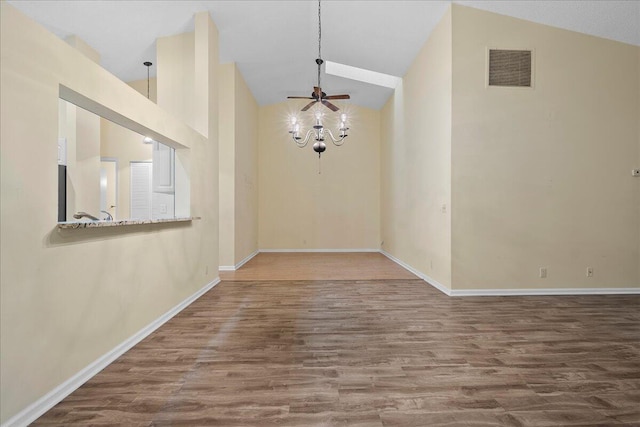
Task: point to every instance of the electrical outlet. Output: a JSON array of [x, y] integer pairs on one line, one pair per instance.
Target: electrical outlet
[[543, 272], [635, 172], [589, 271]]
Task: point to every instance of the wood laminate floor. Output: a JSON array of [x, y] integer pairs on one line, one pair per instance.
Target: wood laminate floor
[[392, 352], [318, 266]]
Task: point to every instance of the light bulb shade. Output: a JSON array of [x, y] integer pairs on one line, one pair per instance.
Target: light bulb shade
[[147, 140]]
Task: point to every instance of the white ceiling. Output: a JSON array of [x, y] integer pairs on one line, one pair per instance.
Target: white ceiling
[[274, 43]]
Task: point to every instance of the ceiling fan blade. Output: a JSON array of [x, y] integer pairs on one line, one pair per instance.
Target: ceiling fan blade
[[330, 105], [299, 97], [306, 107], [337, 97]]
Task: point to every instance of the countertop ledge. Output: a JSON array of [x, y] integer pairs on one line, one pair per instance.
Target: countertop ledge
[[120, 223]]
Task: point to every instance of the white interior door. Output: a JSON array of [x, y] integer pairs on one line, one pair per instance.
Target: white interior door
[[141, 174]]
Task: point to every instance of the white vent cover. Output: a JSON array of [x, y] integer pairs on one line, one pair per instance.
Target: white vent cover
[[510, 68]]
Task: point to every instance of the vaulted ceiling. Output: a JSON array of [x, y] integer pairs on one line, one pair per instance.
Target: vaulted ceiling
[[275, 43]]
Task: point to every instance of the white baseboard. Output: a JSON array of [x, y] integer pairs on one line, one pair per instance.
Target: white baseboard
[[320, 250], [238, 265], [246, 259], [48, 401], [439, 286], [543, 292], [512, 292]]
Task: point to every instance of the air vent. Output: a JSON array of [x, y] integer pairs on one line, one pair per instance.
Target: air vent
[[510, 68]]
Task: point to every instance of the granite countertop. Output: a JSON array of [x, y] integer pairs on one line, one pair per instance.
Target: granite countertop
[[123, 222]]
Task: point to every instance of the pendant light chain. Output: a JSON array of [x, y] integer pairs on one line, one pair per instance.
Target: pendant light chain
[[148, 64], [147, 139], [319, 42], [147, 82]]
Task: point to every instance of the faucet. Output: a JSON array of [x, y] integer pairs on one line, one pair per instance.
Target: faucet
[[80, 215], [109, 216]]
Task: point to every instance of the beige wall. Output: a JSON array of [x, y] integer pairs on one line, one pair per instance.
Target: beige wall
[[83, 179], [176, 75], [206, 121], [227, 164], [532, 177], [238, 168], [542, 177], [83, 48], [69, 297], [301, 209], [246, 170], [638, 157], [416, 161]]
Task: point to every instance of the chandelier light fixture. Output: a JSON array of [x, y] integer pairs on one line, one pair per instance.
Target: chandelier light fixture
[[318, 132]]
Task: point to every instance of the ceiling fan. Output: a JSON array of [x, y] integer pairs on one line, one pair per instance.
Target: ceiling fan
[[318, 95]]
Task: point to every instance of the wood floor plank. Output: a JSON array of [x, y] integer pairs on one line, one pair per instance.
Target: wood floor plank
[[392, 352]]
